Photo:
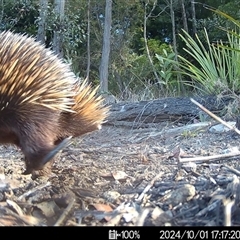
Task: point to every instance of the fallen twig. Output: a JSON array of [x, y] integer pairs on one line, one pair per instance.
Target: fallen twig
[[15, 206], [235, 171], [142, 217], [208, 158], [215, 116], [147, 188], [65, 213], [227, 203], [34, 190]]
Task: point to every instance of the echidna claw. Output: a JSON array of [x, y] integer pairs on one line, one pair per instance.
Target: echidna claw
[[53, 153]]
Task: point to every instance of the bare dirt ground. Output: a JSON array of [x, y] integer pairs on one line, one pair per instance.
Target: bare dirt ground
[[123, 176]]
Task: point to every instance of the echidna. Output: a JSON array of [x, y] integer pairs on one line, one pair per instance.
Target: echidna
[[41, 101]]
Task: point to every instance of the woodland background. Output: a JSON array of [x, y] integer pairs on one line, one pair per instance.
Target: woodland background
[[134, 48], [159, 162]]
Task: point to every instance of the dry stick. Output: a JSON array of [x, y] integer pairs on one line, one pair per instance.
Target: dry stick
[[65, 213], [142, 217], [227, 203], [146, 189], [216, 157], [34, 190], [228, 211], [235, 171], [15, 206], [215, 116], [209, 158]]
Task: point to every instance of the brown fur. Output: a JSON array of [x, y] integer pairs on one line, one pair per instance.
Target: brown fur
[[41, 102]]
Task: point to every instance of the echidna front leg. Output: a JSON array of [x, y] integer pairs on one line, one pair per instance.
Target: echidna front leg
[[48, 160], [60, 144], [40, 161], [37, 131], [34, 155]]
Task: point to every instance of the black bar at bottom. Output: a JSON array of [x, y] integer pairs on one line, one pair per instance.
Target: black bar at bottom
[[117, 233]]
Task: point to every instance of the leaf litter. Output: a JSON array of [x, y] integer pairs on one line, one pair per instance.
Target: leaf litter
[[124, 177]]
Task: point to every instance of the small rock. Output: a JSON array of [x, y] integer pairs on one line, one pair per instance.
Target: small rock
[[111, 196], [156, 212], [220, 128], [161, 218], [181, 195], [214, 166]]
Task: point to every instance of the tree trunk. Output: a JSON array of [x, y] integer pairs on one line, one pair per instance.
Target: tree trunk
[[43, 4], [88, 41], [174, 41], [173, 27], [57, 38], [184, 16], [146, 16], [194, 21], [106, 47]]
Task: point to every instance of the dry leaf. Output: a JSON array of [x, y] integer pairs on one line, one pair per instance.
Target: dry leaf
[[119, 175], [104, 208]]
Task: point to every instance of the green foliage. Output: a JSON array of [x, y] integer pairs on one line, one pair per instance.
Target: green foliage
[[166, 67], [218, 21], [155, 46], [134, 74], [72, 28], [166, 71], [162, 54], [19, 16], [213, 68], [130, 73]]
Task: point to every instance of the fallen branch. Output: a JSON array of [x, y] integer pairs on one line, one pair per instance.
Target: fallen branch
[[209, 158], [215, 117]]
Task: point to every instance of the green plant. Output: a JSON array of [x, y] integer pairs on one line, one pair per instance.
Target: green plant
[[189, 134], [167, 68], [213, 68]]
